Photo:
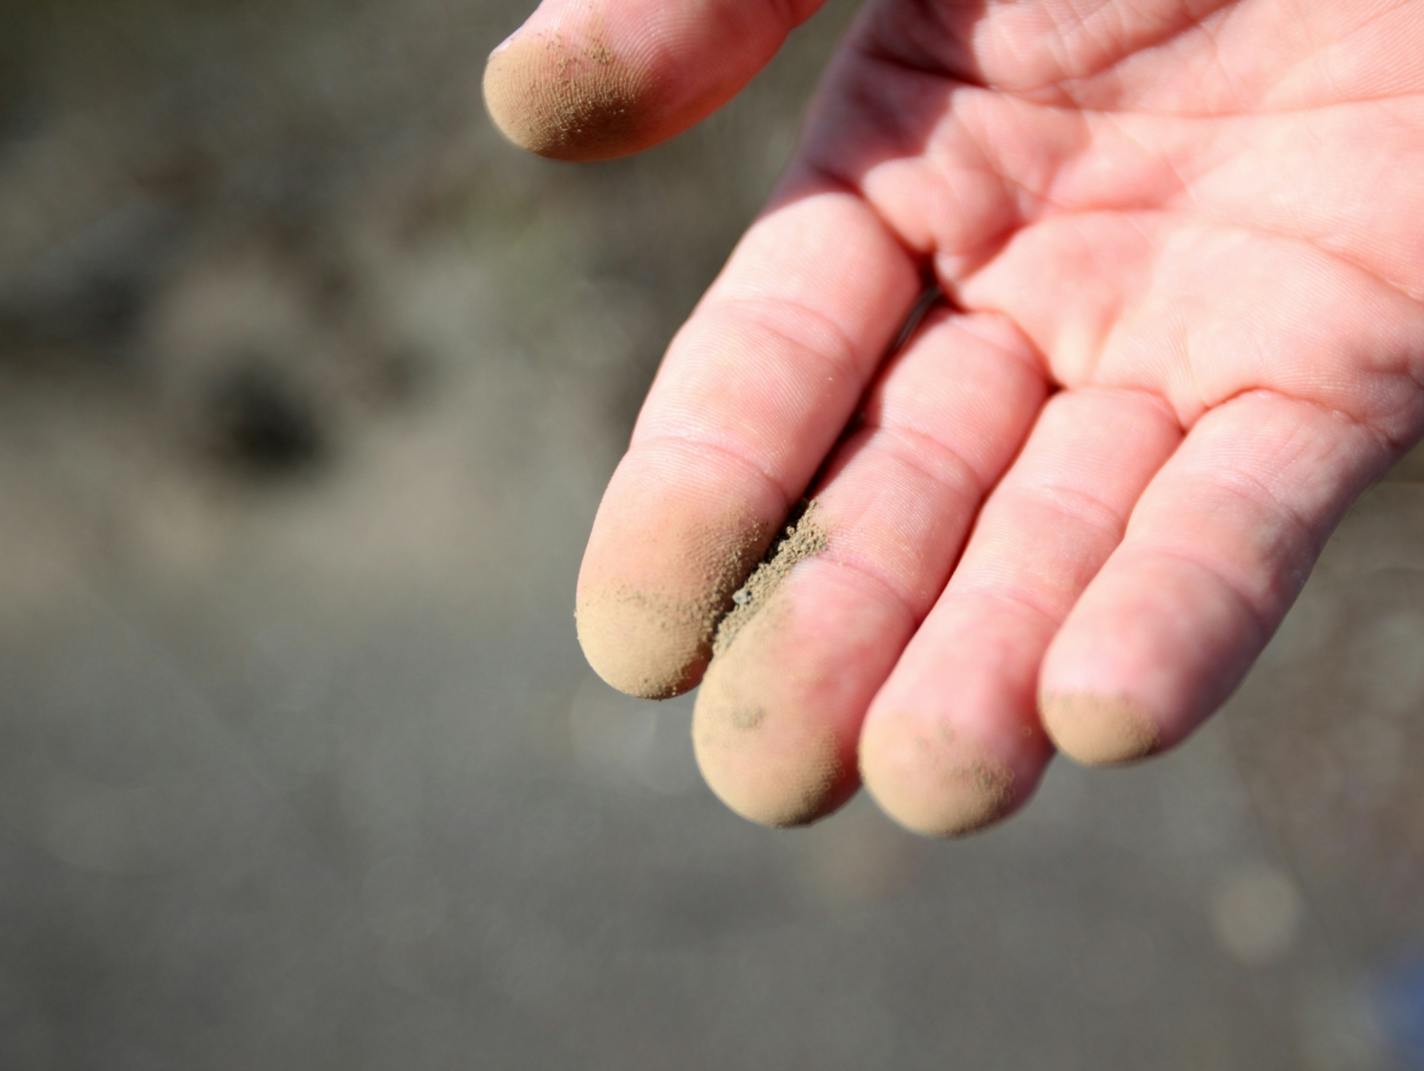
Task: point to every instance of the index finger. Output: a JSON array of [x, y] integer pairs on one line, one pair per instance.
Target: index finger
[[752, 394]]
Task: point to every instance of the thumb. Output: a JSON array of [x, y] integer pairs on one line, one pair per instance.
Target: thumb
[[595, 79]]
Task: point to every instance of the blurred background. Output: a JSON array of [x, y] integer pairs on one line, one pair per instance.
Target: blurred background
[[308, 389]]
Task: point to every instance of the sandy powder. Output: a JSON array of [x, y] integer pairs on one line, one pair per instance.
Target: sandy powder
[[803, 539]]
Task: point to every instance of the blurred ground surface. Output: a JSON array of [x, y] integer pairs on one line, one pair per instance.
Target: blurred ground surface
[[308, 387]]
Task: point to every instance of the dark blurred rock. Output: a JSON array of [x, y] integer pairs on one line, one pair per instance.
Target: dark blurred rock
[[262, 423]]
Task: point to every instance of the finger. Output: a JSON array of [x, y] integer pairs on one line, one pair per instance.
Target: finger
[[753, 393], [1217, 550], [820, 627], [588, 80], [952, 741]]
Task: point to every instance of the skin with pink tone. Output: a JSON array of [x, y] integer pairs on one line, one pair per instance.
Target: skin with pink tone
[[1182, 249]]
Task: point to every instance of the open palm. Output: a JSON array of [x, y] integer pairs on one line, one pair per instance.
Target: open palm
[[1180, 245]]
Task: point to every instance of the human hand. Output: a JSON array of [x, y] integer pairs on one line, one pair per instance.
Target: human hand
[[1182, 246]]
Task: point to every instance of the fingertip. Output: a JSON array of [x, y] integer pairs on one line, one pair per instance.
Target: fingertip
[[935, 788], [762, 734], [672, 541], [1099, 730], [643, 644], [647, 610], [563, 97], [779, 787]]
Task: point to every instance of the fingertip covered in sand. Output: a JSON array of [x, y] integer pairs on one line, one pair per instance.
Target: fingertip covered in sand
[[936, 788], [766, 767], [566, 97], [758, 754], [652, 592], [1099, 730], [649, 644]]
